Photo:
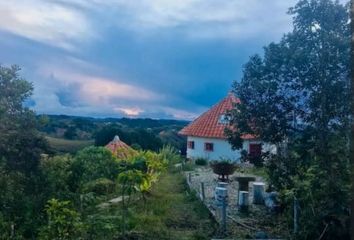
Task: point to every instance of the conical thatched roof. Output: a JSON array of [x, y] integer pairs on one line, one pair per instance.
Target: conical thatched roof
[[120, 149]]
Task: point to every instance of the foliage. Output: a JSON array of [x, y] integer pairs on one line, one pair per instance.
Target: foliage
[[21, 146], [297, 96], [60, 145], [100, 186], [257, 161], [223, 168], [142, 137], [201, 161], [30, 175], [93, 163], [170, 155], [57, 174], [63, 222]]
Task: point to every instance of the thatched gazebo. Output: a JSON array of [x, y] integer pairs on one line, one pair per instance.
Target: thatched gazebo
[[120, 149]]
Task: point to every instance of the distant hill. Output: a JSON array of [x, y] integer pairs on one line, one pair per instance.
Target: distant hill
[[144, 133]]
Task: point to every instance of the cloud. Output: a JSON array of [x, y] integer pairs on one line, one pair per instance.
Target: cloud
[[208, 18], [69, 90], [96, 90], [131, 112], [45, 21], [69, 23], [140, 58], [75, 93]]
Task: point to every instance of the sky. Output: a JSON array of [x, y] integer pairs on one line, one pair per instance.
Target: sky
[[135, 58]]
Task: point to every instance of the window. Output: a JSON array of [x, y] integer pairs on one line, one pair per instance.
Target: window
[[209, 147], [190, 144], [255, 149]]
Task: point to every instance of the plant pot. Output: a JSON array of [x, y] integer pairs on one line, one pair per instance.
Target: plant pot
[[223, 169]]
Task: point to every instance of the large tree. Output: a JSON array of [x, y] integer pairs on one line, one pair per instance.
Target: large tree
[[21, 197], [298, 94]]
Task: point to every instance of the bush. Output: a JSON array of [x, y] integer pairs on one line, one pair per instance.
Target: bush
[[201, 162], [223, 168], [170, 154], [93, 163], [100, 186], [63, 222]]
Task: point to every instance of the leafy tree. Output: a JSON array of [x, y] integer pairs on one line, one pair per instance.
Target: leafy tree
[[107, 133], [298, 94], [57, 173], [93, 163], [21, 146], [64, 223]]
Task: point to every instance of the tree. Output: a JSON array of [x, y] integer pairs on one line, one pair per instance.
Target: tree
[[298, 93], [21, 146], [91, 164], [107, 133], [64, 223]]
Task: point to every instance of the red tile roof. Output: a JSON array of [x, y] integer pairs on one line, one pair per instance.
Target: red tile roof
[[208, 124], [120, 149]]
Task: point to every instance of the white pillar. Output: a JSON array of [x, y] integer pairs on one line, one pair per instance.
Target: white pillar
[[258, 192], [243, 199]]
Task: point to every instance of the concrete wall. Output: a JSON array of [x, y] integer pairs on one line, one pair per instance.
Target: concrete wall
[[222, 149]]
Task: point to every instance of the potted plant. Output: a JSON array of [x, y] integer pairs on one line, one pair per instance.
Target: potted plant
[[223, 168]]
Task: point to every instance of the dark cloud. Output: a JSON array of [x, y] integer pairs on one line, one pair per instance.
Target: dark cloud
[[160, 59]]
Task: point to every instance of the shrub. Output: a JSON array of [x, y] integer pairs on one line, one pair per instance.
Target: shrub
[[63, 222], [100, 186], [223, 168], [93, 163], [170, 154], [201, 162]]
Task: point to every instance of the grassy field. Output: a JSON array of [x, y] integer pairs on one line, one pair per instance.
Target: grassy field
[[60, 145]]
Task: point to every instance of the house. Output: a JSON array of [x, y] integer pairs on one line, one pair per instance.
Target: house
[[206, 137], [120, 149]]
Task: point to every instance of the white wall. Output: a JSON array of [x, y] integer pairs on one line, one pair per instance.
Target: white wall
[[222, 148]]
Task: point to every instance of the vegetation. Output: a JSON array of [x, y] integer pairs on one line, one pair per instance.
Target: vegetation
[[223, 168], [297, 97], [201, 162], [69, 196], [141, 134], [22, 195], [61, 145]]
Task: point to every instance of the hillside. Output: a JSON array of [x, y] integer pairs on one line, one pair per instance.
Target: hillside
[[69, 133]]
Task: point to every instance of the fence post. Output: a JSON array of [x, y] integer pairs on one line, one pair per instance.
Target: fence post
[[190, 178], [223, 215], [243, 201], [202, 191]]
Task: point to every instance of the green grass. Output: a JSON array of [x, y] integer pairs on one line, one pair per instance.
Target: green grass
[[169, 213], [175, 212], [60, 145]]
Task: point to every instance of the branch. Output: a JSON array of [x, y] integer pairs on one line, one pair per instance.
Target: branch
[[323, 232]]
